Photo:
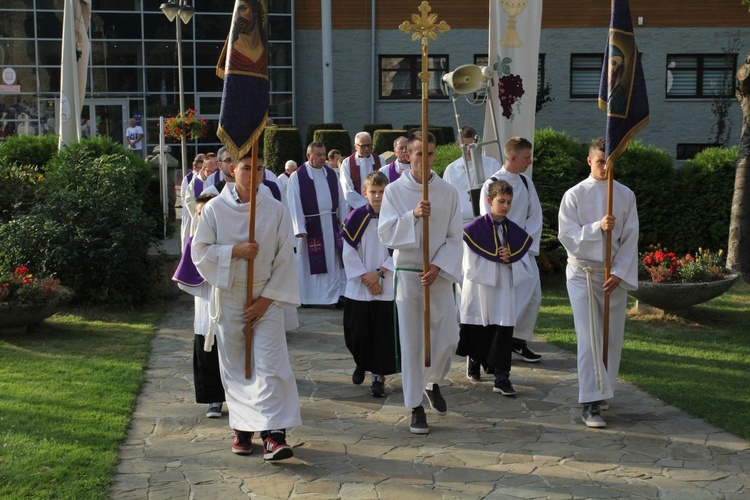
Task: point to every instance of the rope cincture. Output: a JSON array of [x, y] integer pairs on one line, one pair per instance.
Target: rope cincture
[[596, 347]]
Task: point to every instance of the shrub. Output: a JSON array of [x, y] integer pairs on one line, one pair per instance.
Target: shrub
[[444, 156], [370, 128], [703, 208], [317, 126], [33, 150], [17, 185], [649, 172], [280, 145], [335, 139], [91, 231], [382, 140]]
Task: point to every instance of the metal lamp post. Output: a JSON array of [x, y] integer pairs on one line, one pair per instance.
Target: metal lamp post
[[185, 12]]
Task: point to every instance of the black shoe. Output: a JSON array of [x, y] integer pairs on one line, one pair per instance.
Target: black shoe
[[473, 370], [523, 353], [504, 387], [376, 389], [437, 401], [358, 376], [419, 421]]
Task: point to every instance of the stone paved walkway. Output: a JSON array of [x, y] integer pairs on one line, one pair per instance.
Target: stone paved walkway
[[352, 446]]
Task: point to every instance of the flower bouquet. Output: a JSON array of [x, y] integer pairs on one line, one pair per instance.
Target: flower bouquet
[[189, 125]]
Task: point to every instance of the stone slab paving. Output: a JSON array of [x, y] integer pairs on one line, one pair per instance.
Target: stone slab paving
[[354, 446]]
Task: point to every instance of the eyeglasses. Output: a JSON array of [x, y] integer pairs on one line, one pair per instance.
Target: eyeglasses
[[364, 145], [226, 160], [199, 162]]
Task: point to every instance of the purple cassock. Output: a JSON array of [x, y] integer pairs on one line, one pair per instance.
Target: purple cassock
[[186, 273]]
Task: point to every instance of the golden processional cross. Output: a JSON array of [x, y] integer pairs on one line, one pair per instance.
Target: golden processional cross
[[424, 27]]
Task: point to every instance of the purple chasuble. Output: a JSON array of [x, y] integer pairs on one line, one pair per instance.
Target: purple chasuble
[[186, 273], [481, 238], [315, 241]]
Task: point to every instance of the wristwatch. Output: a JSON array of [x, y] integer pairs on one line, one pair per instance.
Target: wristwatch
[[381, 273]]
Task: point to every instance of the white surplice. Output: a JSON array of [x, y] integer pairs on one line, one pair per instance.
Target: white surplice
[[400, 230], [371, 254], [581, 211], [269, 399], [328, 287], [526, 211]]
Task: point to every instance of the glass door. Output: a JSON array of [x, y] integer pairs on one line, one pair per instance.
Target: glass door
[[105, 118]]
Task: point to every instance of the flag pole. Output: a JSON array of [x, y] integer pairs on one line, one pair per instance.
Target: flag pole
[[251, 262], [607, 267], [424, 27]]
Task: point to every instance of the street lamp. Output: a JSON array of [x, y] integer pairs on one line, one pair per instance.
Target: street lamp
[[185, 12]]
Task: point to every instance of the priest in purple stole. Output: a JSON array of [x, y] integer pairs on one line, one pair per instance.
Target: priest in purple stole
[[356, 167], [317, 207]]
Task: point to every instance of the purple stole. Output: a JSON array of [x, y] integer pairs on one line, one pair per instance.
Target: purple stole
[[197, 185], [393, 174], [189, 176], [315, 241], [275, 191], [355, 173], [186, 272], [481, 238]]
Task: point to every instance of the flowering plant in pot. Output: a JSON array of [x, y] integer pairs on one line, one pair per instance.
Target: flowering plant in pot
[[26, 300], [189, 125], [669, 282]]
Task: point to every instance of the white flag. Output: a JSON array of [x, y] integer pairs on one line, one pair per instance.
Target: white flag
[[73, 69], [515, 30]]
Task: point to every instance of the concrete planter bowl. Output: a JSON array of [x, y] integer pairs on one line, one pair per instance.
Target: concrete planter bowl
[[678, 296], [17, 318]]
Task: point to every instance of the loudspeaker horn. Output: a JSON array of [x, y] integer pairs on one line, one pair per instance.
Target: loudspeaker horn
[[465, 79]]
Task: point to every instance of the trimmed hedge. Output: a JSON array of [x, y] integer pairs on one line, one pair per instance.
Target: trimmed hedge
[[446, 134], [34, 150], [383, 139], [318, 126], [444, 156], [280, 145], [335, 139], [370, 128]]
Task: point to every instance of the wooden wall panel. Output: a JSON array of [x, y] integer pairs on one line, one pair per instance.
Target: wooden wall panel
[[355, 14]]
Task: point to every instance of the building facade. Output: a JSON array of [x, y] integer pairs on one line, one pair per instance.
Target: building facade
[[690, 54]]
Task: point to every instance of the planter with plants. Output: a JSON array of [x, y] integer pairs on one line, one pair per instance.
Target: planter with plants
[[26, 300]]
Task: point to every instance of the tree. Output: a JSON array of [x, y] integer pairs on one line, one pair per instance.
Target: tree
[[738, 247]]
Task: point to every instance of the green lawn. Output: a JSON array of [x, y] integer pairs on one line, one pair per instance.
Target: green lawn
[[699, 362], [67, 391]]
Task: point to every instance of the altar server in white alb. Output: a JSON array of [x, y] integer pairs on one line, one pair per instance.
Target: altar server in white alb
[[268, 402], [583, 227], [526, 211], [317, 206], [401, 228]]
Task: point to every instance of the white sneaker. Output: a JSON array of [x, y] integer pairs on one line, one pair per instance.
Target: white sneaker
[[591, 416]]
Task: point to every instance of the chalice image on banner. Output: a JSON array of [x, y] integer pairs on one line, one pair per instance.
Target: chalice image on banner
[[513, 8]]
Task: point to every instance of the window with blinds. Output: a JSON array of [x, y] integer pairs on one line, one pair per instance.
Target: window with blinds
[[585, 74], [700, 75]]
